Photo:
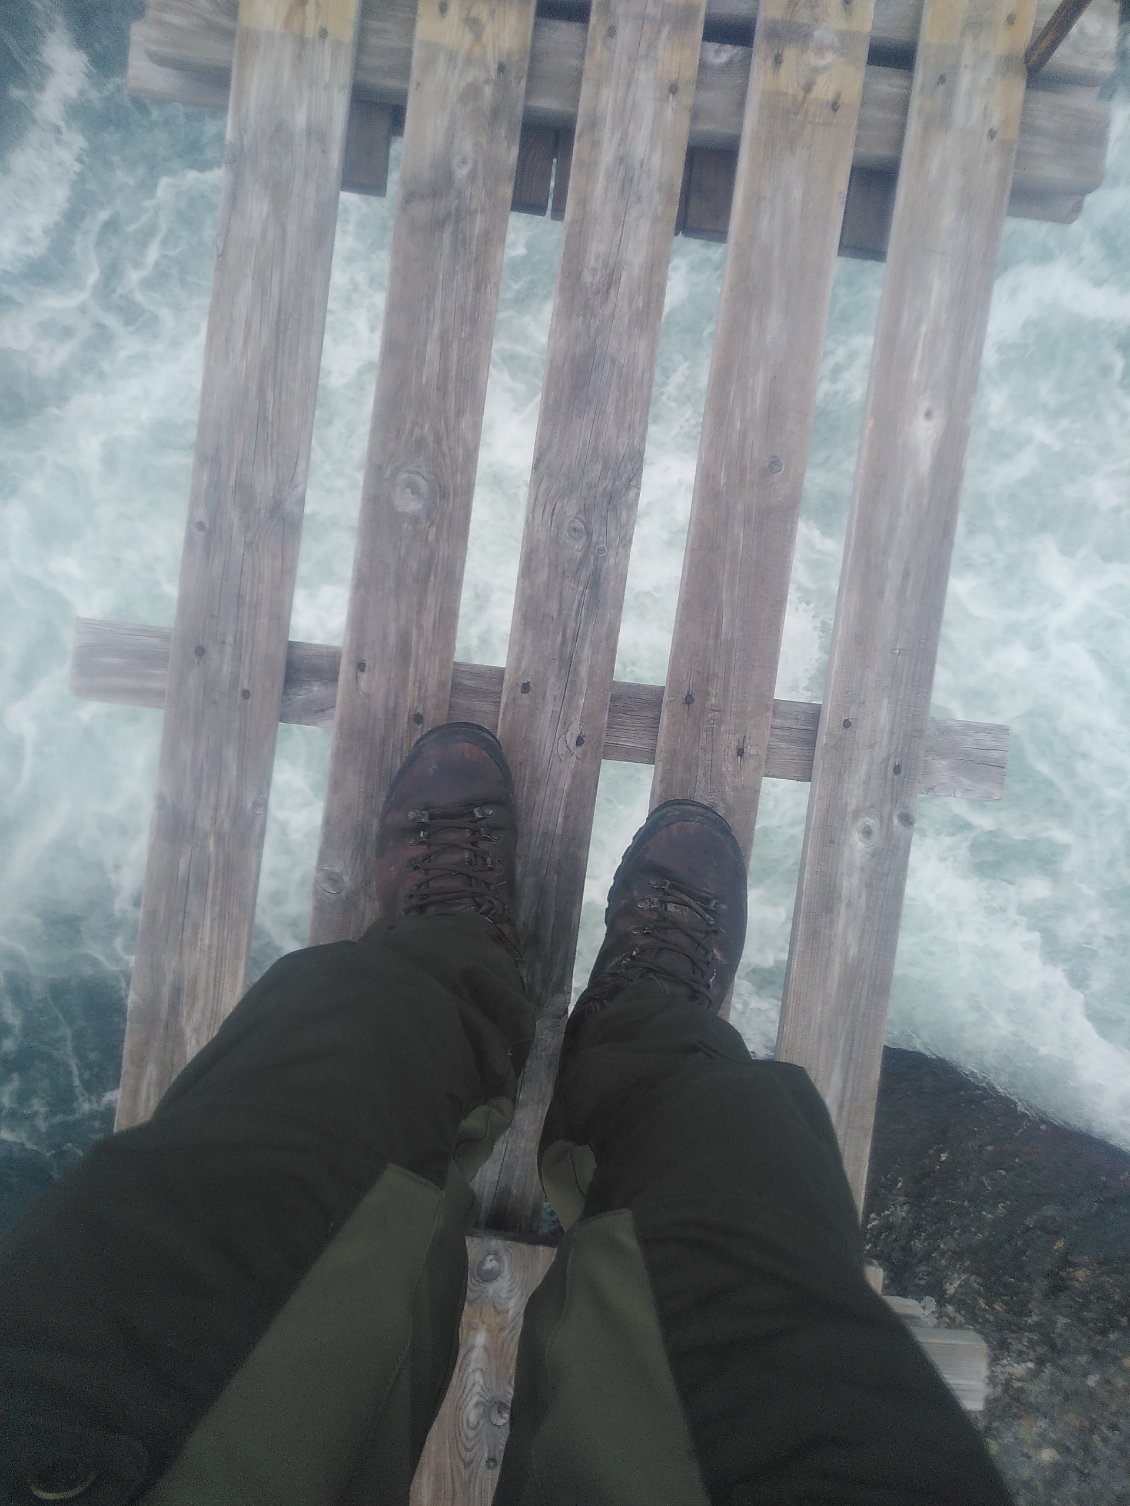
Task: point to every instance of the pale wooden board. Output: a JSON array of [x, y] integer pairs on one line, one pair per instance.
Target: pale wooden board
[[1063, 136], [937, 288], [456, 180], [205, 29], [461, 1459], [627, 171], [127, 664], [792, 176], [289, 105], [367, 141], [1085, 56]]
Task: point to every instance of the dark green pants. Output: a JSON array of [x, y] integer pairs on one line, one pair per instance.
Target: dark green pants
[[254, 1298]]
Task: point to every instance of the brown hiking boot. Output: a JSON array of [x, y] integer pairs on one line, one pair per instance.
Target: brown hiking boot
[[676, 911], [447, 835]]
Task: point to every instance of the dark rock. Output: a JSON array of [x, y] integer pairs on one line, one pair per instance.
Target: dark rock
[[1020, 1229]]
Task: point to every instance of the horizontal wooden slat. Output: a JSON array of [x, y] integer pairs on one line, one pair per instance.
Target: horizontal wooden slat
[[960, 1355], [1063, 137], [1087, 56], [125, 663]]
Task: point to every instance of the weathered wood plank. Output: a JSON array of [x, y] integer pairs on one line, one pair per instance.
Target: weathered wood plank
[[456, 180], [285, 141], [960, 1355], [792, 176], [1062, 142], [948, 215], [461, 1458], [368, 137], [127, 664], [1088, 55], [627, 171]]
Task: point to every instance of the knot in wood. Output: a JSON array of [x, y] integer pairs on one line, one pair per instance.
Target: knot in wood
[[499, 1414], [577, 532], [824, 48], [489, 1268], [331, 881], [412, 493]]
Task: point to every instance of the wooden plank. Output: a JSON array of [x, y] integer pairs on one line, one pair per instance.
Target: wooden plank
[[456, 180], [367, 144], [792, 175], [151, 80], [289, 104], [1062, 143], [461, 1458], [126, 664], [627, 171], [949, 211], [533, 177], [368, 137], [1090, 58]]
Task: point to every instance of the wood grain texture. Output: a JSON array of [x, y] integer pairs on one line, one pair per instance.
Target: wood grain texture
[[456, 180], [1063, 136], [627, 171], [463, 1454], [285, 140], [123, 663], [948, 215], [792, 177]]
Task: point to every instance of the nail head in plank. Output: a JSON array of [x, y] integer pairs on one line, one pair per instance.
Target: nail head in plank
[[792, 175], [949, 212], [627, 170], [289, 102], [449, 235]]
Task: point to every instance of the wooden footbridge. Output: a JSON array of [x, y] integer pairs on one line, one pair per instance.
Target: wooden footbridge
[[796, 129]]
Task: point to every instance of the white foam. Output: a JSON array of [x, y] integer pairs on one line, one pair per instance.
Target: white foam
[[36, 185]]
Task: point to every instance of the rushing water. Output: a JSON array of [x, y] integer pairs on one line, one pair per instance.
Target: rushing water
[[1014, 956]]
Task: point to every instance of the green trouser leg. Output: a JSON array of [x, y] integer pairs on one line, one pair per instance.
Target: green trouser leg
[[255, 1297], [706, 1332]]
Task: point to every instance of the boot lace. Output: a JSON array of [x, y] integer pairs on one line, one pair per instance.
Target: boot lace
[[684, 932], [457, 874]]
